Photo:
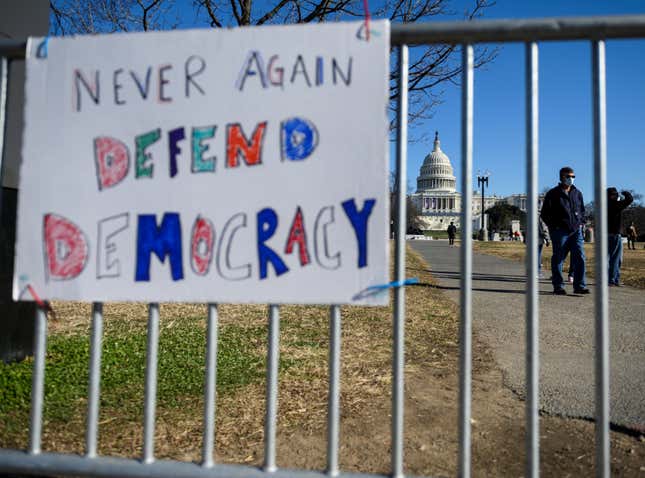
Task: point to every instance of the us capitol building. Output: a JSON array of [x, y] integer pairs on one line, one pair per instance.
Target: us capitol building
[[438, 200]]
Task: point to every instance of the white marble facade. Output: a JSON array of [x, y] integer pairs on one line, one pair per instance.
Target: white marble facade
[[437, 198]]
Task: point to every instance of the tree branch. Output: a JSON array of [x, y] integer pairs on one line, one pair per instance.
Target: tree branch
[[246, 11], [144, 19], [269, 15], [236, 14], [211, 13]]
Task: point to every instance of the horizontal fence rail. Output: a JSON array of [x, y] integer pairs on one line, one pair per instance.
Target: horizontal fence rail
[[539, 29], [480, 31], [465, 34], [108, 467]]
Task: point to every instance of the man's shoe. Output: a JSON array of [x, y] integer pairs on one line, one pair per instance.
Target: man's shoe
[[582, 291], [560, 292]]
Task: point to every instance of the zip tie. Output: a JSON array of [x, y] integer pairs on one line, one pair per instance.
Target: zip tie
[[366, 7], [43, 304], [394, 284], [41, 51], [375, 289]]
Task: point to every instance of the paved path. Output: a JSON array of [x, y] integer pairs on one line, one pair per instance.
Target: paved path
[[566, 334]]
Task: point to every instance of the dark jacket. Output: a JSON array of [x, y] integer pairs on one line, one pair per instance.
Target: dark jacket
[[563, 211], [615, 213], [452, 230]]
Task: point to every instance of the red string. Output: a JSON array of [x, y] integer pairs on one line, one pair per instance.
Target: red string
[[366, 7], [41, 303]]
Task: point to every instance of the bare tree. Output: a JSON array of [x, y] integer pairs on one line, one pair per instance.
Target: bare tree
[[430, 67]]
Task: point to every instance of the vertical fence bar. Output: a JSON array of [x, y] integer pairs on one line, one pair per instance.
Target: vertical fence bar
[[272, 389], [38, 382], [601, 273], [465, 300], [210, 384], [532, 305], [150, 404], [91, 432], [4, 87], [398, 359], [333, 403]]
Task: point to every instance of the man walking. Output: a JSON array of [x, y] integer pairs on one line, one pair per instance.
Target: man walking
[[615, 208], [452, 232], [563, 212]]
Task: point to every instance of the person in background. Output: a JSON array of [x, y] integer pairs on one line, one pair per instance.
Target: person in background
[[615, 208], [563, 212], [452, 232], [543, 240], [631, 236]]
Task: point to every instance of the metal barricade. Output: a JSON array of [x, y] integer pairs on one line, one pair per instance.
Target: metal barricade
[[594, 29]]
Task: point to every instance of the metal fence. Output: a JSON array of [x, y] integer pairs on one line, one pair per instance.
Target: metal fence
[[594, 29]]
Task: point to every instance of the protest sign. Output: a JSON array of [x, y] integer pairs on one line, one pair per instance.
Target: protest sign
[[244, 165]]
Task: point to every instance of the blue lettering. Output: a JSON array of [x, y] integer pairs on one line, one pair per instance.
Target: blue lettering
[[298, 139], [358, 219], [164, 240], [267, 224], [174, 137]]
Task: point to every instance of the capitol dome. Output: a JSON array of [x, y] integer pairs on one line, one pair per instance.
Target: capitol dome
[[436, 172]]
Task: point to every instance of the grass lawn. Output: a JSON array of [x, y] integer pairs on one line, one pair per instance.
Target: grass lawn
[[240, 378], [632, 271]]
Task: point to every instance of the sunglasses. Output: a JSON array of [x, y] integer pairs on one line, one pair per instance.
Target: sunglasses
[[571, 176]]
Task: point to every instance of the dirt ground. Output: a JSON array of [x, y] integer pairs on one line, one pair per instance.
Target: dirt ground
[[567, 446]]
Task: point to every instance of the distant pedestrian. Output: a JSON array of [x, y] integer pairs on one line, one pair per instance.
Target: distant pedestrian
[[615, 208], [452, 232], [543, 240], [632, 234], [563, 212]]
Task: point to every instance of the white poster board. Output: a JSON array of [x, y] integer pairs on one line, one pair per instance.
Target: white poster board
[[244, 165]]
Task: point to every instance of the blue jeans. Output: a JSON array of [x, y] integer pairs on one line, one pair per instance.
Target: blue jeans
[[615, 252], [563, 243]]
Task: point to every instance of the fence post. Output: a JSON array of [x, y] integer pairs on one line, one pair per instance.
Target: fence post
[[398, 358], [465, 299]]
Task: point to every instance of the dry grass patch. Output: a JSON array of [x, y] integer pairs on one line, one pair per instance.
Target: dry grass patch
[[632, 270]]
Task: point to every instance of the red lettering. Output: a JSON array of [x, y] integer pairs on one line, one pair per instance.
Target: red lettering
[[298, 236], [238, 146], [66, 248], [112, 161], [201, 246]]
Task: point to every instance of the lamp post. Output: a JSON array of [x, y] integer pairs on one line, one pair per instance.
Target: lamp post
[[482, 180]]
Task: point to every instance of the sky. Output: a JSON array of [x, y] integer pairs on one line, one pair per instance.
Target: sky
[[565, 103], [565, 125]]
